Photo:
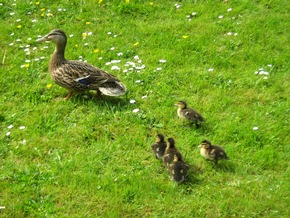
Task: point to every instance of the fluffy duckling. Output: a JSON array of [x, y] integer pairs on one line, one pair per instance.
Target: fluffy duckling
[[178, 169], [77, 76], [212, 152], [159, 146], [189, 114], [169, 153]]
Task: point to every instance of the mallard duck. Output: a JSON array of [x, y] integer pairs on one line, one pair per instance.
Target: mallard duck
[[169, 153], [178, 169], [212, 152], [159, 146], [189, 114], [77, 76]]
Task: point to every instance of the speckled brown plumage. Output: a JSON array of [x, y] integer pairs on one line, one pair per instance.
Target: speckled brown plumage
[[77, 76], [212, 152], [169, 153], [178, 169], [159, 146], [189, 114]]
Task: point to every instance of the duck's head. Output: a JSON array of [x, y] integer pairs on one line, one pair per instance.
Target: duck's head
[[170, 143], [181, 104], [160, 138], [205, 144], [57, 36]]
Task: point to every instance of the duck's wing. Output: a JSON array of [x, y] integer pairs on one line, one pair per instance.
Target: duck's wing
[[94, 78], [193, 115], [220, 152]]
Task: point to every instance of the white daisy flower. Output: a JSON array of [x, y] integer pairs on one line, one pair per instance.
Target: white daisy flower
[[115, 68]]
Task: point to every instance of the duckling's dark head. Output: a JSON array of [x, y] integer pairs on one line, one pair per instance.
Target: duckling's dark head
[[160, 138], [171, 142], [57, 36], [205, 144], [181, 104]]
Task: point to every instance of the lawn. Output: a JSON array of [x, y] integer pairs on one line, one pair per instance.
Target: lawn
[[90, 157]]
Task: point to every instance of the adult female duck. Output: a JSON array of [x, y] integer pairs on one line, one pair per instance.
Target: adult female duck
[[77, 76]]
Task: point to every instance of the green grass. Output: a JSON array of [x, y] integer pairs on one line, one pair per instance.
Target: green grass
[[90, 158]]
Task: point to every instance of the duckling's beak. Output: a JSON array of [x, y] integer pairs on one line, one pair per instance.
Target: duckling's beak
[[42, 39], [175, 104], [199, 146]]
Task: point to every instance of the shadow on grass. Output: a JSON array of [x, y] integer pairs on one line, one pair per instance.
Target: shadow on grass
[[108, 101], [192, 178], [225, 166], [203, 129], [222, 166]]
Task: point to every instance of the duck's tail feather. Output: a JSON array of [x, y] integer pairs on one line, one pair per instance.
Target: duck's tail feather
[[113, 90]]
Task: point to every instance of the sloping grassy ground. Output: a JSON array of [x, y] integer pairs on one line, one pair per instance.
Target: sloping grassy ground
[[90, 158]]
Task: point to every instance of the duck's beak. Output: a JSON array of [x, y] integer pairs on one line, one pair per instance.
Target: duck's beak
[[42, 39], [199, 146], [175, 104]]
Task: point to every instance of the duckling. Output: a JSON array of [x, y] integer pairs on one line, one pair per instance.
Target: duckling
[[212, 152], [77, 76], [178, 169], [189, 114], [159, 146], [170, 151]]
